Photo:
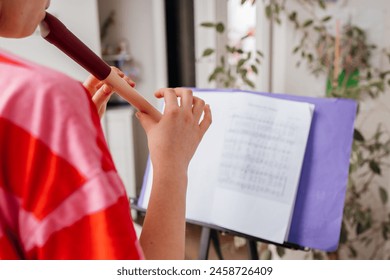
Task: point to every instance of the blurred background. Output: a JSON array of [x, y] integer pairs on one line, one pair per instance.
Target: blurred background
[[319, 48]]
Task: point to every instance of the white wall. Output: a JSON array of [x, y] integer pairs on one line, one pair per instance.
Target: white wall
[[81, 17]]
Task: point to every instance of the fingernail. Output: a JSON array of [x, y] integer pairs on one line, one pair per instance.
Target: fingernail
[[138, 115]]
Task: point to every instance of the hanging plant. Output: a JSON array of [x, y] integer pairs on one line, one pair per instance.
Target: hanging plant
[[344, 57], [236, 67]]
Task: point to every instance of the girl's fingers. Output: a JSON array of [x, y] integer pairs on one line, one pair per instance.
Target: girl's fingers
[[102, 109], [207, 120], [93, 85], [102, 96], [198, 108], [188, 101], [169, 95], [122, 75], [186, 97]]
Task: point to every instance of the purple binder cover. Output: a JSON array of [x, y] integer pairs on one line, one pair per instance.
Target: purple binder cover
[[319, 205]]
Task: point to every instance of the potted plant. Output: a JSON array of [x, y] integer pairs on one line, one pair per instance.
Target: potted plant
[[343, 55]]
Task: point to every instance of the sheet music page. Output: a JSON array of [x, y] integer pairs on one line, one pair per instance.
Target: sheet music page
[[245, 174]]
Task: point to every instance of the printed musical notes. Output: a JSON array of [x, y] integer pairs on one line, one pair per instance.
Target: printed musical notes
[[257, 152]]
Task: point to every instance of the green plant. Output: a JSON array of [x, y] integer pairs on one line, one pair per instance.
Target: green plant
[[344, 57], [235, 67]]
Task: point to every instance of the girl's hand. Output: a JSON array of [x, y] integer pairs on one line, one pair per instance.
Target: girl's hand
[[172, 143], [174, 139], [101, 92]]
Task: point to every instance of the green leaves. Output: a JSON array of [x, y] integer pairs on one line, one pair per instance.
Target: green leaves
[[219, 26], [383, 195], [374, 166], [308, 22], [268, 11], [241, 63], [207, 52], [217, 70], [322, 4], [386, 229], [207, 24], [293, 16], [274, 9], [280, 251], [227, 73], [246, 63], [244, 1], [315, 46], [249, 82], [343, 234], [254, 69], [364, 221], [352, 251], [357, 135]]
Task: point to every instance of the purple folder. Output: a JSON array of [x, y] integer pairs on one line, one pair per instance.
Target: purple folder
[[318, 211]]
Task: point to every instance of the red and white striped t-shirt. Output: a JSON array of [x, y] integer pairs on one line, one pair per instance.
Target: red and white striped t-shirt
[[60, 195]]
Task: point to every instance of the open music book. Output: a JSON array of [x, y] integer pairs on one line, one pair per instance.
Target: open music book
[[245, 173]]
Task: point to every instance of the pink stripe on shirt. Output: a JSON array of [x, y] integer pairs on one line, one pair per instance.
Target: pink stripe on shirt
[[46, 117], [90, 198]]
